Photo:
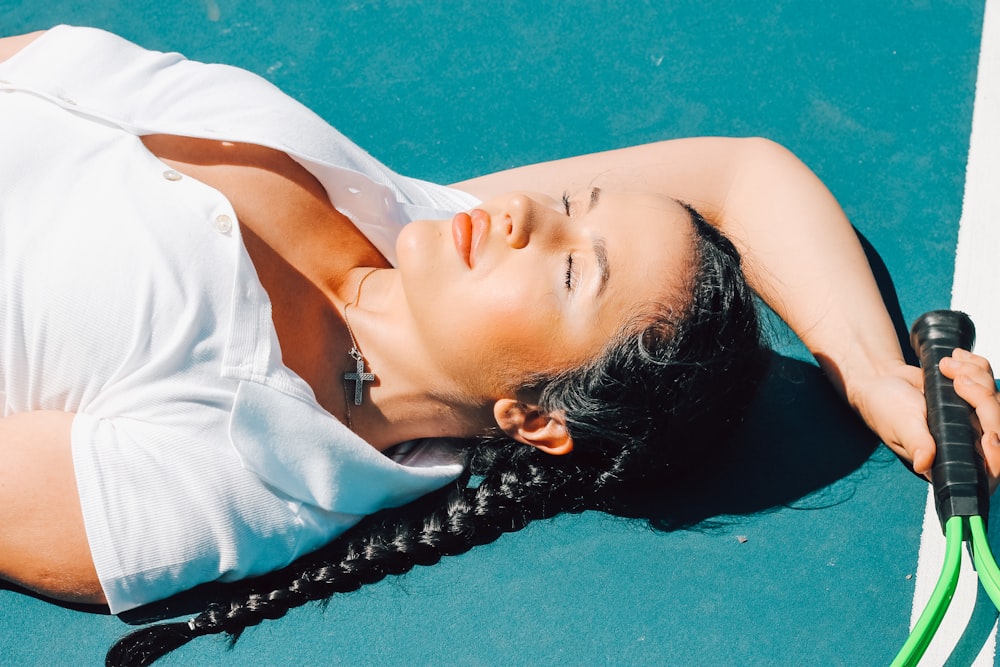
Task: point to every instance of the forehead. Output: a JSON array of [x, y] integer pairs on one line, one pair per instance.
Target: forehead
[[640, 209], [649, 242], [650, 228]]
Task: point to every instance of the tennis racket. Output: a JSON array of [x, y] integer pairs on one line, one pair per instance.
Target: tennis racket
[[961, 487]]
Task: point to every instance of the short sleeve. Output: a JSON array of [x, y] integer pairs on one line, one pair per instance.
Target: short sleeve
[[165, 511]]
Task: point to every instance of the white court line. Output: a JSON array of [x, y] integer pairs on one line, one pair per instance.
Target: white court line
[[973, 291]]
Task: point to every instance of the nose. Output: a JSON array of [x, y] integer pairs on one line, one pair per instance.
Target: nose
[[522, 215]]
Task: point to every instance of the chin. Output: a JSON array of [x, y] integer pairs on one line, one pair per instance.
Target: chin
[[422, 251], [420, 238]]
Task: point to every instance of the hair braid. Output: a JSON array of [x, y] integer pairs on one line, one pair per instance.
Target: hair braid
[[389, 543]]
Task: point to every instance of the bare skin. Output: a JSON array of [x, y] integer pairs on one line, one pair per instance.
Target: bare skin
[[303, 249], [804, 256], [43, 544]]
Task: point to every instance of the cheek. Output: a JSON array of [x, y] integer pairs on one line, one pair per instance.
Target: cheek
[[426, 271], [504, 323], [418, 243], [484, 317], [514, 305]]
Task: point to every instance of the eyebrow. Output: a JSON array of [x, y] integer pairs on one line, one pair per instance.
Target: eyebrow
[[595, 196], [603, 266], [600, 247]]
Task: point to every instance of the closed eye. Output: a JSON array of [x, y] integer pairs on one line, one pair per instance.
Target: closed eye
[[595, 196], [570, 276]]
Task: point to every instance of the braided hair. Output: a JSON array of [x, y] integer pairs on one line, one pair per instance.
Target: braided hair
[[659, 400]]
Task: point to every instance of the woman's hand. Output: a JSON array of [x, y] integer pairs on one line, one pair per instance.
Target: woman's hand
[[892, 403]]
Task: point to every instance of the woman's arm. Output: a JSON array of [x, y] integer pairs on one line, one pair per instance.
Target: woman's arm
[[43, 542], [802, 256]]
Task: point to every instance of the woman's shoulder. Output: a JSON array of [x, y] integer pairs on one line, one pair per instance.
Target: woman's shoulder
[[10, 46]]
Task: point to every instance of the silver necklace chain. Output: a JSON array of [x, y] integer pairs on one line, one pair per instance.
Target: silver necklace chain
[[358, 375]]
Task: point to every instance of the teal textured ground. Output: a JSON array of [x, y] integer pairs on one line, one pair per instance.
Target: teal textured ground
[[876, 97]]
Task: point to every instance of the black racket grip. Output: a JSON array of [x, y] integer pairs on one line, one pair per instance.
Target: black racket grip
[[961, 487]]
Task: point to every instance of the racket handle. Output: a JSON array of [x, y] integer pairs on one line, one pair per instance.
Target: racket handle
[[959, 476]]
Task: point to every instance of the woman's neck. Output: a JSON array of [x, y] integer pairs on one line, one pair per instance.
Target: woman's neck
[[408, 399]]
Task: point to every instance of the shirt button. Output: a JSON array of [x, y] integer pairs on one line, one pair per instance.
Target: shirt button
[[172, 175], [223, 223]]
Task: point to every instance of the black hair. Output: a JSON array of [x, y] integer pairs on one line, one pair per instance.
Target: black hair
[[657, 402]]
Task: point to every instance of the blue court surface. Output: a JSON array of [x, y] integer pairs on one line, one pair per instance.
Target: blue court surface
[[810, 536]]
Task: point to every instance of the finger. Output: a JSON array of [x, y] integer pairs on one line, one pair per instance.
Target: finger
[[982, 399], [913, 375], [916, 446], [923, 457], [989, 447], [972, 358], [953, 369], [914, 440]]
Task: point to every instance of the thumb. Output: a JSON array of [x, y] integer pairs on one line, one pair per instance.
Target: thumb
[[920, 445]]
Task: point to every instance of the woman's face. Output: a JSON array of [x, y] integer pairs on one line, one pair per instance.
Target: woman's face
[[526, 284]]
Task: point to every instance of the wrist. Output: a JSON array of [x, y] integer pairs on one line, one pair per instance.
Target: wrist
[[856, 382], [864, 390]]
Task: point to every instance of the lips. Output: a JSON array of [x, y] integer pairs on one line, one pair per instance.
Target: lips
[[467, 230]]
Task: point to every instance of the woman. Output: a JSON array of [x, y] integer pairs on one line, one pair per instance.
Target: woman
[[203, 380]]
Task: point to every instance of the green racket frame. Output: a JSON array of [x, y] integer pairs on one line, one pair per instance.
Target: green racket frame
[[957, 531]]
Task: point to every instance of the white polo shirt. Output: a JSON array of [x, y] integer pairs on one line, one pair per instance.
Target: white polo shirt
[[128, 298]]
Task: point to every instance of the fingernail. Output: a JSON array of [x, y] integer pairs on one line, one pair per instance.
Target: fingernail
[[959, 353], [993, 439]]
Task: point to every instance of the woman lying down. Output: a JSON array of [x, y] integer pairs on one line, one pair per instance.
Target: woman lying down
[[219, 319]]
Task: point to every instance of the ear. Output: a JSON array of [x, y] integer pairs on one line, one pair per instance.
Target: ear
[[527, 424]]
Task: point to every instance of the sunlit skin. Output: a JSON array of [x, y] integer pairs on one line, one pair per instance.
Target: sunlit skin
[[479, 303], [519, 286], [515, 287]]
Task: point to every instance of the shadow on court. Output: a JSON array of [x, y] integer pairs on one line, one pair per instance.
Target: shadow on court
[[800, 437]]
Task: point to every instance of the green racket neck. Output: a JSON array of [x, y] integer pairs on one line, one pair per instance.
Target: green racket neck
[[957, 530]]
